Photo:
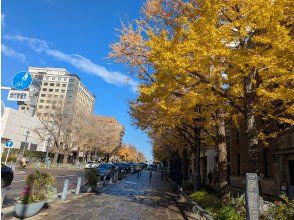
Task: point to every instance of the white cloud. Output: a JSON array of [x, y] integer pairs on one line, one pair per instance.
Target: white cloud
[[81, 63], [12, 53]]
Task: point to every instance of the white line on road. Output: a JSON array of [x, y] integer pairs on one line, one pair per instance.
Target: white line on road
[[17, 181]]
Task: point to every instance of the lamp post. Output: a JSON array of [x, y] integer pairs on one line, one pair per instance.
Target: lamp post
[[26, 141]]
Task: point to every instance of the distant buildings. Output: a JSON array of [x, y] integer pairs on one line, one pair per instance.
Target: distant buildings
[[18, 127], [56, 85]]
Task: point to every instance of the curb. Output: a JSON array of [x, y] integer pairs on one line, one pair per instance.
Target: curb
[[7, 211]]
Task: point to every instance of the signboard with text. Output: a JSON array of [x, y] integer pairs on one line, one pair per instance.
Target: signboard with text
[[17, 95]]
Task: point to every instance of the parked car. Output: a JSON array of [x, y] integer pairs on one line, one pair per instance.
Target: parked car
[[143, 165], [152, 167], [6, 175], [91, 164], [105, 169]]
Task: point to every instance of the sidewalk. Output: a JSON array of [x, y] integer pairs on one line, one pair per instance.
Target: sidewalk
[[132, 198]]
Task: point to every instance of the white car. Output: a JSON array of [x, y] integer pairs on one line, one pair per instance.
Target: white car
[[91, 164]]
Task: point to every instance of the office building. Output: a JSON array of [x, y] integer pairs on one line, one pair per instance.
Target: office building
[[56, 86]]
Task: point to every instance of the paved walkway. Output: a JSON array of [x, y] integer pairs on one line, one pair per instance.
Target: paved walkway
[[132, 198]]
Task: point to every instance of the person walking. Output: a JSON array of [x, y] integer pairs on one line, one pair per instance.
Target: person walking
[[150, 175]]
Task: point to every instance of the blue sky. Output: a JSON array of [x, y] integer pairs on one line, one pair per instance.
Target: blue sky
[[75, 35]]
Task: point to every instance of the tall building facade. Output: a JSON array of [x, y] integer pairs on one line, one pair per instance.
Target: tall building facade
[[56, 86]]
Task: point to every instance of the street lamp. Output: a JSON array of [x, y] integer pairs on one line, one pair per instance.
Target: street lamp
[[27, 135]]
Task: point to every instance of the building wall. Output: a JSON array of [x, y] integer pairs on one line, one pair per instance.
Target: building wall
[[273, 161], [14, 125]]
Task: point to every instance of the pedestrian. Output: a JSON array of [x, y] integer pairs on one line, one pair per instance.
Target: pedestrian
[[150, 175], [138, 174], [210, 177]]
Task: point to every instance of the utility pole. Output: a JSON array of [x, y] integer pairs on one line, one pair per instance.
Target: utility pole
[[26, 141]]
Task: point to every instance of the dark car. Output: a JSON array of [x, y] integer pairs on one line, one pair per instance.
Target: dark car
[[105, 169], [6, 175], [143, 165]]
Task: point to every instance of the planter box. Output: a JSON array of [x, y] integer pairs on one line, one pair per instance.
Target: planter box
[[28, 210]]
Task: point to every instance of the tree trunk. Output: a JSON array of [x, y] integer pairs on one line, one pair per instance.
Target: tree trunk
[[185, 165], [55, 157], [197, 160], [65, 158], [250, 119], [222, 153]]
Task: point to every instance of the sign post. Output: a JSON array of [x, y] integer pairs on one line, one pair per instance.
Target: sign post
[[252, 196], [8, 145]]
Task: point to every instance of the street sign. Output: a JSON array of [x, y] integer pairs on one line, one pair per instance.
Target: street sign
[[9, 144], [22, 80], [16, 95]]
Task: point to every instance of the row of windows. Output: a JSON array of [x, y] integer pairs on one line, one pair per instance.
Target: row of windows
[[55, 90], [57, 78], [53, 84], [50, 96]]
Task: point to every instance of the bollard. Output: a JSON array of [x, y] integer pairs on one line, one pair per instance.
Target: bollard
[[65, 188], [78, 186]]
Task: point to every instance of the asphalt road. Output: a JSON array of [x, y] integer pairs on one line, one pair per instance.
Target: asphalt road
[[19, 181]]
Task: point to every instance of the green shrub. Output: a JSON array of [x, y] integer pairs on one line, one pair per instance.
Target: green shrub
[[282, 210], [188, 186], [39, 187], [207, 201], [11, 157], [91, 177], [228, 212]]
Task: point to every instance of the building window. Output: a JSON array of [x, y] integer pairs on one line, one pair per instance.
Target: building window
[[50, 90], [59, 79], [71, 80], [63, 85], [49, 95], [58, 84], [61, 96], [43, 95], [56, 90], [64, 79], [47, 107], [41, 100], [40, 106], [62, 90], [265, 163], [53, 78], [238, 164], [55, 96], [44, 89], [45, 84], [48, 101], [51, 84], [23, 108]]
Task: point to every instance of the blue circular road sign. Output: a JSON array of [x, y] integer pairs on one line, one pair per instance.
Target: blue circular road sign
[[22, 80], [9, 144]]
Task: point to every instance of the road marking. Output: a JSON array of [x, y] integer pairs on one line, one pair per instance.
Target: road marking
[[17, 181]]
